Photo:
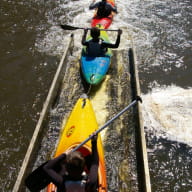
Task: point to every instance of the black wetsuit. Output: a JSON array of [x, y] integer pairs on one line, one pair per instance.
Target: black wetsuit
[[98, 47], [58, 177], [104, 8]]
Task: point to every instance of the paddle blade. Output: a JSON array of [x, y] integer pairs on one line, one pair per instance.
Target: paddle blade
[[69, 27], [37, 180]]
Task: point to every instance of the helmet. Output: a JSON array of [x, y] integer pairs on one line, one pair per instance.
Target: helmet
[[95, 32]]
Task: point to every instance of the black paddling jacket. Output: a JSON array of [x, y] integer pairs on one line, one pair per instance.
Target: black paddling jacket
[[99, 48], [95, 49]]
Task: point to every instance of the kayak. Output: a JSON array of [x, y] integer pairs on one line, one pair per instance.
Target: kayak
[[94, 69], [79, 126], [106, 21]]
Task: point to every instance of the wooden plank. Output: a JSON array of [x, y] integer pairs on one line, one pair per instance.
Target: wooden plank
[[145, 184]]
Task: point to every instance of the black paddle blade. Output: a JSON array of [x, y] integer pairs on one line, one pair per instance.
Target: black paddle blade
[[37, 180], [68, 27]]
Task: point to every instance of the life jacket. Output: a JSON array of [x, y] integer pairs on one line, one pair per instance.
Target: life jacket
[[94, 49], [76, 186]]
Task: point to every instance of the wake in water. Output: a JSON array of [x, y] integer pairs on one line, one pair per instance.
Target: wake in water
[[169, 110]]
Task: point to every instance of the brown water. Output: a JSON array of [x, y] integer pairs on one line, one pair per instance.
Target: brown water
[[31, 44]]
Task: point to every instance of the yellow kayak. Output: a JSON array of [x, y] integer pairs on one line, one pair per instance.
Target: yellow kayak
[[79, 126]]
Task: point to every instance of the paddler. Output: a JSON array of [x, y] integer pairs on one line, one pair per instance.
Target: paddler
[[67, 171], [104, 9], [96, 47]]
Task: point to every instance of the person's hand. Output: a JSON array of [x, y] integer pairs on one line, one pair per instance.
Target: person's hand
[[120, 31], [64, 155], [85, 30]]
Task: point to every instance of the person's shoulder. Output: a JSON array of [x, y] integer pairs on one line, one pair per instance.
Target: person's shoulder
[[109, 4]]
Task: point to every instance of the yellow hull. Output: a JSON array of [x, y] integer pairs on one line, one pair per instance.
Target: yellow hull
[[80, 125]]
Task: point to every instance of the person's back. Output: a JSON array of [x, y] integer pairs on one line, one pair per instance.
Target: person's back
[[104, 9], [96, 47], [93, 46]]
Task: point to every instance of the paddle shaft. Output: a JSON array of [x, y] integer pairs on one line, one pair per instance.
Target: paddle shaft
[[107, 123], [69, 27], [100, 29]]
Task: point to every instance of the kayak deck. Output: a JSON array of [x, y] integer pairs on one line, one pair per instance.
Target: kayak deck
[[94, 69]]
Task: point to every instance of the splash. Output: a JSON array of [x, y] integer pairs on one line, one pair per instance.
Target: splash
[[169, 109], [100, 104]]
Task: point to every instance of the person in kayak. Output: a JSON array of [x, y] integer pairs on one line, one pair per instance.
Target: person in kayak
[[104, 9], [67, 171], [96, 47]]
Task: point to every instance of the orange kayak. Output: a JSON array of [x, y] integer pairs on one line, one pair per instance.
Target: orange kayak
[[80, 125]]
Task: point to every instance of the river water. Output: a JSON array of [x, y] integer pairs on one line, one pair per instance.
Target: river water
[[31, 45]]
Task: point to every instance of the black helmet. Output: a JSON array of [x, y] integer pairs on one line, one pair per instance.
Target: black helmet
[[95, 32]]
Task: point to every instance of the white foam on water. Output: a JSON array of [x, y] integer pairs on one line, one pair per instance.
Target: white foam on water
[[99, 103], [169, 109]]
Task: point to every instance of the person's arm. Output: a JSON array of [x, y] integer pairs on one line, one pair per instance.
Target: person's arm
[[116, 45], [57, 179], [93, 174], [93, 5], [114, 9], [95, 157], [83, 41]]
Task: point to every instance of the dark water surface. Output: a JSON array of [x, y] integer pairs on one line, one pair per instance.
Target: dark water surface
[[165, 68], [25, 77], [31, 45]]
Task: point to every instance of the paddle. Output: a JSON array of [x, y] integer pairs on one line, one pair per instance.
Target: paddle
[[38, 179], [69, 27]]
